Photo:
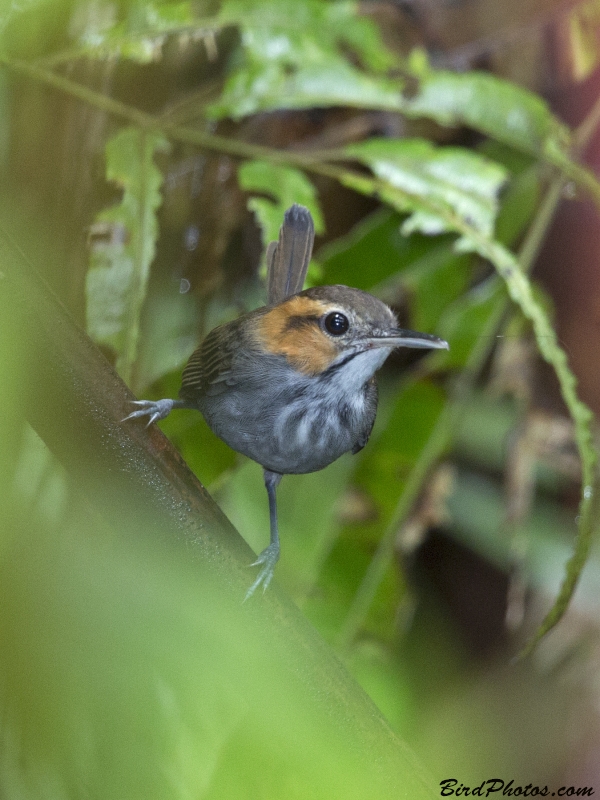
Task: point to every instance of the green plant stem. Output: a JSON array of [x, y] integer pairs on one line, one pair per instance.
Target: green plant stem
[[311, 161], [586, 129], [148, 122], [438, 443], [446, 426]]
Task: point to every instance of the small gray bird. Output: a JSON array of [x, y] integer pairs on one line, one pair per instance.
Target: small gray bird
[[291, 385]]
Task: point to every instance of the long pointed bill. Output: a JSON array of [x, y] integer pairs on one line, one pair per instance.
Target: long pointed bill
[[402, 338]]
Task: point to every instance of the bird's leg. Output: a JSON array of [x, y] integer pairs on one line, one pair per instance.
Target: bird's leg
[[155, 409], [270, 556]]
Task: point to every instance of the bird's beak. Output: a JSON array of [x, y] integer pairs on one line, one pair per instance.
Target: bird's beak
[[398, 337]]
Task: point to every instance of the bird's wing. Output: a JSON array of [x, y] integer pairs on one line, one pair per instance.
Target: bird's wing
[[288, 258], [209, 366]]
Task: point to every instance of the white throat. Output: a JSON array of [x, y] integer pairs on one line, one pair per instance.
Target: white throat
[[353, 375]]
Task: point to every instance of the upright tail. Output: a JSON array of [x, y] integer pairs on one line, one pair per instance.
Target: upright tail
[[288, 258]]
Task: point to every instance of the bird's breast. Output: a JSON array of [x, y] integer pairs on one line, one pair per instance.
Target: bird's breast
[[292, 426]]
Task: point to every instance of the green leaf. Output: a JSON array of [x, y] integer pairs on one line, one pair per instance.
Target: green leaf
[[168, 333], [500, 109], [374, 250], [460, 182], [130, 667], [464, 321], [120, 263], [293, 55], [433, 282], [140, 36], [286, 186]]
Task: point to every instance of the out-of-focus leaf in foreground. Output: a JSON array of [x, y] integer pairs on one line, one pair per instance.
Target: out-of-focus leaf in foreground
[[129, 669]]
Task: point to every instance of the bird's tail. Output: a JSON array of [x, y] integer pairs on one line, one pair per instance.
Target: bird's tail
[[288, 258]]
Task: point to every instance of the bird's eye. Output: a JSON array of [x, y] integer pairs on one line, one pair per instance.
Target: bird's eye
[[336, 323]]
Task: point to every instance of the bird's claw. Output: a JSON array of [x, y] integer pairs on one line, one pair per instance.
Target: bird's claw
[[269, 557], [155, 409]]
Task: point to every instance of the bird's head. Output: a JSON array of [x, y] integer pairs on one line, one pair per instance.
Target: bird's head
[[329, 328]]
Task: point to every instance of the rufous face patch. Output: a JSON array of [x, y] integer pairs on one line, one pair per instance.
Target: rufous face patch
[[292, 329]]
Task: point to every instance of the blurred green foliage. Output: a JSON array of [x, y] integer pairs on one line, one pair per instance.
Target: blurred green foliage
[[128, 670]]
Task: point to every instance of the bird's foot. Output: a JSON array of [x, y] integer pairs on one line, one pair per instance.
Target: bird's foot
[[268, 558], [155, 409]]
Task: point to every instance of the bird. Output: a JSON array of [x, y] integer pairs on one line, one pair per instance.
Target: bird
[[292, 385]]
